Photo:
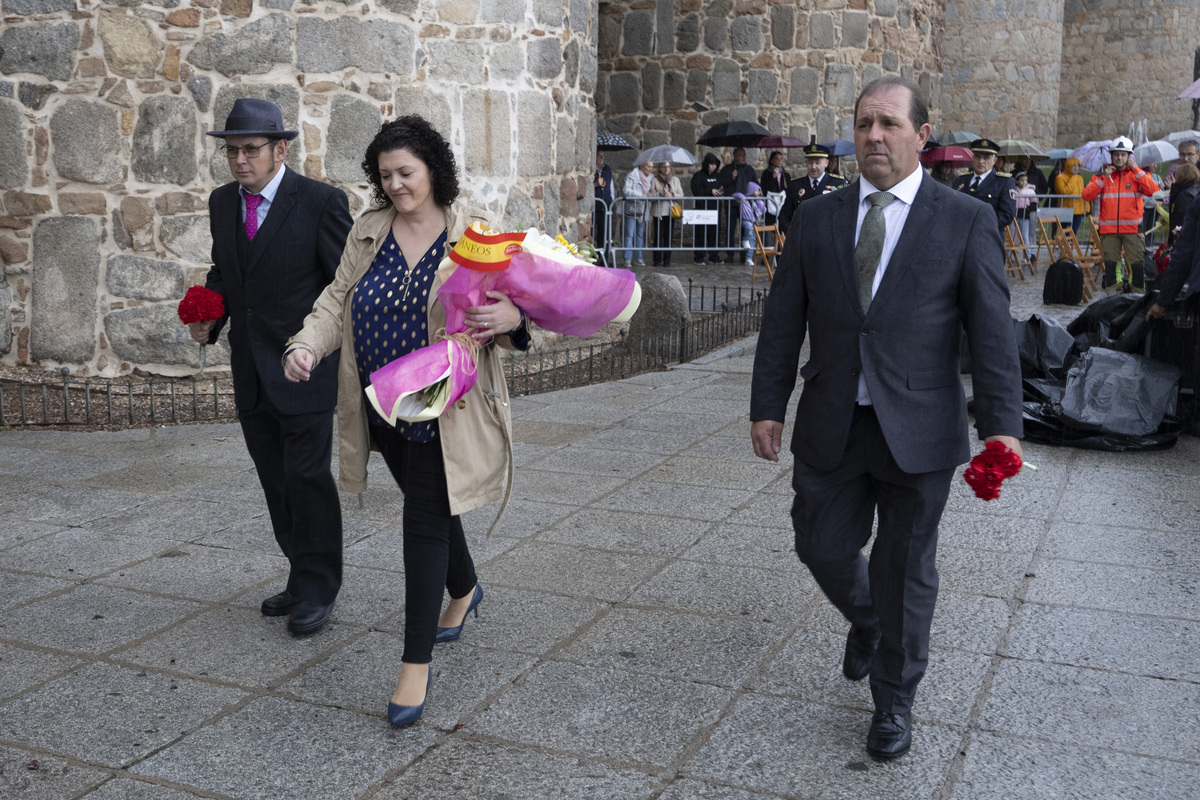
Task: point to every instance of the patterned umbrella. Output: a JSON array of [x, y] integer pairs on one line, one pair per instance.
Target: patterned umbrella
[[610, 141]]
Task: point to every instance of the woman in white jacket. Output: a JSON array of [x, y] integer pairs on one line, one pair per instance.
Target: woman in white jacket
[[638, 184]]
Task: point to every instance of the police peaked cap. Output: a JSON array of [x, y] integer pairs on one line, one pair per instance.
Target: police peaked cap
[[985, 147], [815, 150]]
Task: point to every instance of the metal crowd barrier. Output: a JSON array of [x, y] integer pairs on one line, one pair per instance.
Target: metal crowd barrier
[[702, 218]]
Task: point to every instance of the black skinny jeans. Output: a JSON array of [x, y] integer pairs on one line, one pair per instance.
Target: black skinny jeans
[[435, 549]]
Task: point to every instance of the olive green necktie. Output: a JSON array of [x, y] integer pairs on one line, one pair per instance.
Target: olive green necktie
[[870, 245]]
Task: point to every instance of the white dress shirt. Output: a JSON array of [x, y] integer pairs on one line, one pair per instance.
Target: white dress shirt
[[267, 194], [895, 214]]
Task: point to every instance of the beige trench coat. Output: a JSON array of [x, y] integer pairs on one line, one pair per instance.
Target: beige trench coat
[[476, 433]]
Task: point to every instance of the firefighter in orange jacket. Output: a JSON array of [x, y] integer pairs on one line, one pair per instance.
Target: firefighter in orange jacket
[[1120, 186]]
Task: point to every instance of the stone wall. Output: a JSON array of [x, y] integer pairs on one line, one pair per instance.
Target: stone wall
[[1124, 62], [1001, 76], [105, 169], [669, 70]]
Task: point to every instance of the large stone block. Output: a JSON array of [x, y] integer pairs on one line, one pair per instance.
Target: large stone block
[[870, 73], [663, 310], [456, 61], [570, 59], [145, 278], [431, 104], [887, 8], [153, 335], [552, 207], [746, 34], [585, 140], [353, 123], [533, 113], [821, 35], [651, 86], [826, 125], [664, 24], [548, 12], [839, 85], [487, 125], [544, 57], [697, 85], [502, 11], [687, 33], [727, 82], [805, 84], [856, 27], [45, 49], [37, 6], [14, 168], [329, 45], [252, 50], [507, 61], [285, 96], [519, 211], [564, 150], [763, 87], [716, 31], [130, 46], [581, 15], [6, 334], [201, 89], [624, 93], [188, 237], [66, 271], [87, 141], [783, 27], [637, 38], [588, 70], [164, 141], [674, 90]]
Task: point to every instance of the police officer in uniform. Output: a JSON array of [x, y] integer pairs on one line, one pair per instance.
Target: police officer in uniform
[[997, 189], [817, 182]]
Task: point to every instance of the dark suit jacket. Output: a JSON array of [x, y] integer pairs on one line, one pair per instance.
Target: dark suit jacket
[[999, 192], [945, 274], [293, 257], [799, 189], [1185, 261]]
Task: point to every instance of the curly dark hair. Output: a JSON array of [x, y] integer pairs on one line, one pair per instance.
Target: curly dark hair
[[414, 134]]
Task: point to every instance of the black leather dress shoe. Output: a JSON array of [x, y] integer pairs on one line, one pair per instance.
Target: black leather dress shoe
[[890, 735], [279, 605], [860, 649], [309, 617]]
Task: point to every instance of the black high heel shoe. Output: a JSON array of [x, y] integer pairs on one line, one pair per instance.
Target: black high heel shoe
[[403, 716], [452, 634]]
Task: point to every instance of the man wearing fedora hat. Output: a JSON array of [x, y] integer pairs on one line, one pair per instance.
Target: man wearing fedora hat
[[277, 240], [984, 183]]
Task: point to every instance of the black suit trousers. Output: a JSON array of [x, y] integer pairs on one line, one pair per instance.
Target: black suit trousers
[[832, 516], [291, 453]]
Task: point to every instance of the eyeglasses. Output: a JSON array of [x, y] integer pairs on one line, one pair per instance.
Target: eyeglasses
[[250, 150]]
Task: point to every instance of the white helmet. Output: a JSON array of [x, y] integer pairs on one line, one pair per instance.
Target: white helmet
[[1121, 144]]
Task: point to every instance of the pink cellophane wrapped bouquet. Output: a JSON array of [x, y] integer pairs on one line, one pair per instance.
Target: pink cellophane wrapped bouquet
[[544, 277]]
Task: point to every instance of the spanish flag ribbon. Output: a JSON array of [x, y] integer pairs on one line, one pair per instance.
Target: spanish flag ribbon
[[486, 252]]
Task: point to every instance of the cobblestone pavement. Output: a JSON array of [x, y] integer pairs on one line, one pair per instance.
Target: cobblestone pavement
[[647, 631]]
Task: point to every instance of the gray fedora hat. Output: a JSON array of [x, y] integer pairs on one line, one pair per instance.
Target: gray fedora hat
[[253, 117]]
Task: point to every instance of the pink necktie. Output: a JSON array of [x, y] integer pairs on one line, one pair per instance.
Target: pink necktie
[[252, 201]]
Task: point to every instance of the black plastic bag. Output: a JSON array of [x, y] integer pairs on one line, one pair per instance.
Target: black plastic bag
[[1044, 346], [1119, 393]]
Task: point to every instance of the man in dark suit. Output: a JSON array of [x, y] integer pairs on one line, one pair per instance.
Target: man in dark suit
[[882, 421], [997, 190], [277, 240]]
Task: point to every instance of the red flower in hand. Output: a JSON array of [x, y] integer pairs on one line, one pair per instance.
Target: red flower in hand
[[200, 305], [989, 468]]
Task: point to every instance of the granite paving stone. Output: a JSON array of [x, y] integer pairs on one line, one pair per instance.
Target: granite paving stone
[[522, 518], [1152, 646], [197, 572], [734, 405], [156, 476], [794, 748], [78, 553], [468, 770], [1092, 708], [92, 619], [766, 510], [714, 472], [597, 413], [17, 589], [756, 594], [608, 463], [180, 519], [38, 501], [625, 531], [15, 532], [601, 713], [53, 779], [1124, 546], [129, 789], [108, 714], [505, 614], [669, 422], [239, 754], [367, 596], [244, 647], [363, 675], [241, 487], [560, 487], [572, 571], [21, 668], [60, 467], [1143, 591], [641, 441], [747, 546], [1092, 508], [1032, 503], [988, 532], [551, 433], [698, 790], [685, 647], [963, 569], [1069, 772], [1134, 483], [707, 503], [524, 453]]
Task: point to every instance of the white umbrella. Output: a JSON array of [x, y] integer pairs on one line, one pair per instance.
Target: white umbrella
[[665, 152], [1093, 155], [1178, 136], [1154, 152]]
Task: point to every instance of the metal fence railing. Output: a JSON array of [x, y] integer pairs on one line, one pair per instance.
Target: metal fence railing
[[720, 315]]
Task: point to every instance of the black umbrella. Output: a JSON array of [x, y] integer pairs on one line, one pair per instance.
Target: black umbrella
[[733, 134], [610, 141]]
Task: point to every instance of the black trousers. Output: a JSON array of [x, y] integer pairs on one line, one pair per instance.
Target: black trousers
[[600, 231], [662, 238], [832, 516], [435, 548], [291, 453]]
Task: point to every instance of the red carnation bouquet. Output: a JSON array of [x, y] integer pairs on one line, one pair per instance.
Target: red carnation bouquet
[[990, 467], [201, 304], [1162, 258]]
